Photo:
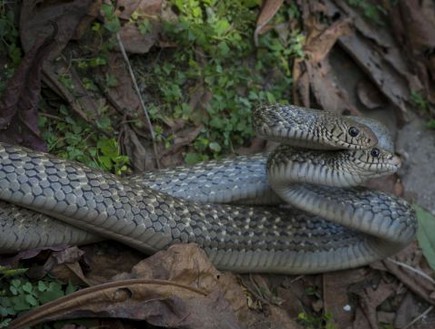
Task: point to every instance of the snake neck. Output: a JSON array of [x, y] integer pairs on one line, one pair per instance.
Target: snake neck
[[311, 129]]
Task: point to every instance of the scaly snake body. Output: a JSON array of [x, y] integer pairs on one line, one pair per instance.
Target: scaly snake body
[[368, 225]]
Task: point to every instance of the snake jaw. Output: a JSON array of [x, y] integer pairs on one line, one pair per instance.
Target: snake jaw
[[362, 163]]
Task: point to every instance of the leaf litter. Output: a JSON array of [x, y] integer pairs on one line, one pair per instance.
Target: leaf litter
[[179, 287]]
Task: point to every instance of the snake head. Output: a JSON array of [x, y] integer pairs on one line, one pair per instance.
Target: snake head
[[313, 129], [373, 162]]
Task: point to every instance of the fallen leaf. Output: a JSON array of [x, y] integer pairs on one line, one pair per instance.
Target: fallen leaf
[[188, 265], [159, 302], [369, 95], [407, 311], [425, 234], [178, 287], [135, 42], [336, 297], [414, 25], [322, 38], [269, 9], [72, 19], [372, 297], [19, 103], [314, 80], [414, 273], [140, 153], [377, 53]]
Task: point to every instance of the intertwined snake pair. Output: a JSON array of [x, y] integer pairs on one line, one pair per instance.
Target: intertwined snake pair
[[324, 223]]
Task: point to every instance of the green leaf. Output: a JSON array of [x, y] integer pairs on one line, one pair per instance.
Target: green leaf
[[221, 27], [5, 323], [42, 286], [31, 300], [215, 147], [53, 293], [431, 124], [105, 162], [70, 288], [425, 234], [27, 287], [8, 272]]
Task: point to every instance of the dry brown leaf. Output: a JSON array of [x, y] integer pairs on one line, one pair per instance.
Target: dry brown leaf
[[68, 16], [322, 38], [19, 102], [360, 321], [269, 9], [313, 76], [139, 152], [336, 297], [133, 40], [60, 260], [188, 265], [374, 63], [407, 311], [178, 287], [36, 23], [414, 26], [147, 8], [71, 19], [371, 298], [159, 302], [377, 53], [416, 283], [369, 96], [122, 96]]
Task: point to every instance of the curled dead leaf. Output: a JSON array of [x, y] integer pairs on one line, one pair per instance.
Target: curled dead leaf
[[159, 302], [269, 9]]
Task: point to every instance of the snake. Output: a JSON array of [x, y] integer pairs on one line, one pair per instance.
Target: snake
[[297, 210]]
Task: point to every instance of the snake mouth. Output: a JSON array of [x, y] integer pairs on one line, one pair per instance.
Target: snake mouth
[[396, 161]]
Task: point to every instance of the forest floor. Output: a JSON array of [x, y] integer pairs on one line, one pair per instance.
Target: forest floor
[[200, 68]]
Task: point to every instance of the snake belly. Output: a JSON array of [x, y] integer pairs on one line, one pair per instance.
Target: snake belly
[[237, 238]]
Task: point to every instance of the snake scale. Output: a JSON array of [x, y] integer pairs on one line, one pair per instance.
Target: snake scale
[[325, 223]]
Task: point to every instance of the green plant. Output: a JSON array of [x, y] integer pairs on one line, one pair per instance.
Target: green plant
[[418, 100], [111, 22], [19, 294], [75, 139], [9, 36], [370, 11], [310, 321], [216, 62], [9, 44]]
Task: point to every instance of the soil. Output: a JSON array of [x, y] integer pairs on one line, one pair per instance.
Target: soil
[[416, 144]]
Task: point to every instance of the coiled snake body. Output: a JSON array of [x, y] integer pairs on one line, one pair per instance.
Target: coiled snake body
[[329, 226]]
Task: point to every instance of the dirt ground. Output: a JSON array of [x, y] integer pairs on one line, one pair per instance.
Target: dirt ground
[[416, 143]]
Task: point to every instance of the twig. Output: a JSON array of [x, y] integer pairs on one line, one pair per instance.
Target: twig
[[136, 87], [421, 273], [418, 318]]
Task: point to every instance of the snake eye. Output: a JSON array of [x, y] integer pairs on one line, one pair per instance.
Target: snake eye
[[353, 131], [375, 152]]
